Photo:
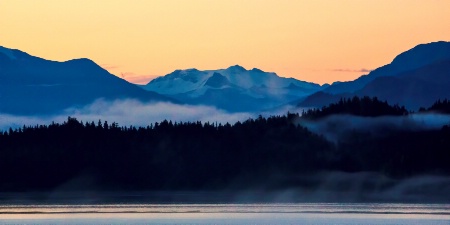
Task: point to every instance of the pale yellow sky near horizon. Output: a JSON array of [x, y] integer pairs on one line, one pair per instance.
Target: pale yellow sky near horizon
[[318, 41]]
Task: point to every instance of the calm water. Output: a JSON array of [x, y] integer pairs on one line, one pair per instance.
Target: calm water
[[227, 214]]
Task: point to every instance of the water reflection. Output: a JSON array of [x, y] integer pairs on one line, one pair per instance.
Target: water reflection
[[324, 213], [375, 208]]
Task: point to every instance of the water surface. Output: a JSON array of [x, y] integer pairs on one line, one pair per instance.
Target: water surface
[[314, 213]]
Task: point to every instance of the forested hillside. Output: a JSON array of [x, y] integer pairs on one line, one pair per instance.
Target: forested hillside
[[170, 155], [364, 106]]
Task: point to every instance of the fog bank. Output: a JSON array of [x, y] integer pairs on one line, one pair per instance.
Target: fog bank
[[129, 112], [335, 126]]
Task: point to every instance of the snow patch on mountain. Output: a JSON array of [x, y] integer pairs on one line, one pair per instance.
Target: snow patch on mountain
[[232, 89], [193, 80]]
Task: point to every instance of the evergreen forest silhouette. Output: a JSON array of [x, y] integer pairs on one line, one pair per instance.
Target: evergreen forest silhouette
[[209, 156]]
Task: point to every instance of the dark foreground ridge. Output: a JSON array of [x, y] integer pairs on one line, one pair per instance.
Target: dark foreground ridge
[[274, 153]]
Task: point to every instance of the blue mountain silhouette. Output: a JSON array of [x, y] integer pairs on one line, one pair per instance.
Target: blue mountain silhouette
[[415, 78], [32, 85]]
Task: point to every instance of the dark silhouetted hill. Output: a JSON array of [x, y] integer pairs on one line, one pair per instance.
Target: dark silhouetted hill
[[32, 85], [419, 56], [365, 106], [415, 78]]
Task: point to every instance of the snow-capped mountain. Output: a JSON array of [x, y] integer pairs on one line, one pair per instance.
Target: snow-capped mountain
[[232, 89]]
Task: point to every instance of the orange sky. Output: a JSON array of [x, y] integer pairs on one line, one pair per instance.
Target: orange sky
[[319, 41]]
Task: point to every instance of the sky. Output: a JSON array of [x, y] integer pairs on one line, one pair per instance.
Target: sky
[[319, 41]]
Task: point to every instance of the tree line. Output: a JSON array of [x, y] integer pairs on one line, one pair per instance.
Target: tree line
[[208, 156], [364, 106]]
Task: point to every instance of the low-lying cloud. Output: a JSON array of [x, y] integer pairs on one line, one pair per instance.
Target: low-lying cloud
[[129, 112], [333, 127], [135, 113]]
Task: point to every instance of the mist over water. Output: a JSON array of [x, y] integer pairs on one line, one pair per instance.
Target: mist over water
[[322, 187], [337, 186]]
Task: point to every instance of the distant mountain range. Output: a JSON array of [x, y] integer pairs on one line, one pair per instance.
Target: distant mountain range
[[32, 85], [232, 89], [415, 78]]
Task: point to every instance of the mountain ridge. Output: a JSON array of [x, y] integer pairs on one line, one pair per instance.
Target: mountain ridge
[[33, 85], [409, 80], [258, 89], [420, 55]]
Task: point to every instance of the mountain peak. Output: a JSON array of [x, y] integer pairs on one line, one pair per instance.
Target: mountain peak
[[236, 68], [179, 72], [82, 60], [257, 70], [424, 54]]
